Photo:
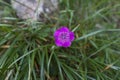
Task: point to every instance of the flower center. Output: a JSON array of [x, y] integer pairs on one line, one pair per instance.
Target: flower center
[[64, 36]]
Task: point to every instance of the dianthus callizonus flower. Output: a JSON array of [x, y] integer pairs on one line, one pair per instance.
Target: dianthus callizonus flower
[[63, 37]]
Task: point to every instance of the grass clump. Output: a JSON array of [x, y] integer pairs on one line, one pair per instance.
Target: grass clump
[[28, 51]]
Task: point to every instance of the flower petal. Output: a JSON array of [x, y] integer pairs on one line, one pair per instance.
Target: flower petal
[[56, 33], [63, 29], [58, 43], [67, 44], [72, 37]]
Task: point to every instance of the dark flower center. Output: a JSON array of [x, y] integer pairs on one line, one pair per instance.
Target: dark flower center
[[64, 36]]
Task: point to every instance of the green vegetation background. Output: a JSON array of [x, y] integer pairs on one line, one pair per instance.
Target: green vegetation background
[[28, 51]]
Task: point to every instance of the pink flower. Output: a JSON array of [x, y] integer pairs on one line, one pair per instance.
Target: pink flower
[[63, 37]]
